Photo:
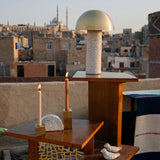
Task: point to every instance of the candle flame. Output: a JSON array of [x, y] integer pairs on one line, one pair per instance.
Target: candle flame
[[66, 75], [39, 87]]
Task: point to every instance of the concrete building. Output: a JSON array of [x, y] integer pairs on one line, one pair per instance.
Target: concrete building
[[24, 42], [25, 54], [8, 53], [112, 62], [30, 31], [33, 69], [125, 62], [53, 29], [125, 51], [8, 50], [12, 50], [22, 27], [154, 44], [117, 42], [127, 36], [62, 50], [144, 63], [145, 34], [129, 46], [138, 36]]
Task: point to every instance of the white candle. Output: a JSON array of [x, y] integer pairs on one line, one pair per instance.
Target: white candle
[[39, 106]]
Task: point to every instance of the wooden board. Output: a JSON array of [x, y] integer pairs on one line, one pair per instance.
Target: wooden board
[[105, 104], [126, 153], [77, 137], [104, 76]]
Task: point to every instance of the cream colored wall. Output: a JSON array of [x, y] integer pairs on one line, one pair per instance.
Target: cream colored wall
[[18, 101], [24, 42]]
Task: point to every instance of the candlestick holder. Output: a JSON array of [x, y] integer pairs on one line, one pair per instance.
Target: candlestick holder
[[67, 119], [40, 130]]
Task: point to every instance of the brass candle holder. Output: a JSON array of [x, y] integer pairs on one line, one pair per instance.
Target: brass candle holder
[[67, 119], [40, 130]]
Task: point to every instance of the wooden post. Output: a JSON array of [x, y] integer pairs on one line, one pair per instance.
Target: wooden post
[[105, 103], [89, 148], [32, 150]]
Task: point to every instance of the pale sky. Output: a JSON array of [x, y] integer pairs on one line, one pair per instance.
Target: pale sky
[[123, 13]]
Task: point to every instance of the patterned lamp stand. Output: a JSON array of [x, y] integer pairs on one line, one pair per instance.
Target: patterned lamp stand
[[94, 51]]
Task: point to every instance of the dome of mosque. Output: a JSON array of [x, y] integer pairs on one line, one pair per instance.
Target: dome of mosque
[[54, 22]]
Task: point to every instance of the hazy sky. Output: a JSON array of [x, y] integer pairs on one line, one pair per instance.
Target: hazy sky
[[123, 13]]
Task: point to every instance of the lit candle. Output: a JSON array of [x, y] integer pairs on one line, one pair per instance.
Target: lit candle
[[39, 105], [67, 92]]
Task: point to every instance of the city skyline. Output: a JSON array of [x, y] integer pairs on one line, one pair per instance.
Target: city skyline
[[124, 14]]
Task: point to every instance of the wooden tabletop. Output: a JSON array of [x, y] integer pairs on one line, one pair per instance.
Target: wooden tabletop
[[104, 76], [81, 133]]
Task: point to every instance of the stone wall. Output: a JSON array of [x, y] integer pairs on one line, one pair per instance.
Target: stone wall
[[18, 101], [40, 51], [32, 69], [62, 50], [154, 56], [8, 52]]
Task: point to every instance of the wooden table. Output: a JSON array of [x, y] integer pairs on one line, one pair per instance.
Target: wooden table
[[105, 102], [80, 136]]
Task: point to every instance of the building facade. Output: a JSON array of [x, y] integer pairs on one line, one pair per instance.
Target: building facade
[[62, 50], [33, 69], [154, 44], [8, 53]]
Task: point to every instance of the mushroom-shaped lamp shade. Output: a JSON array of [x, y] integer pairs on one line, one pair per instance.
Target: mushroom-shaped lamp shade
[[94, 22]]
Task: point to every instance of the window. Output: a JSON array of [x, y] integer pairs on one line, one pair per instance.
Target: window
[[132, 64], [69, 46], [76, 63], [50, 70], [137, 64], [79, 48], [20, 71], [49, 45], [109, 65], [16, 45], [126, 50], [19, 45], [121, 65]]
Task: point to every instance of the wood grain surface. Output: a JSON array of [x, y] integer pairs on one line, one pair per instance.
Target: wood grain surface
[[126, 153], [77, 137], [104, 76], [105, 104]]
